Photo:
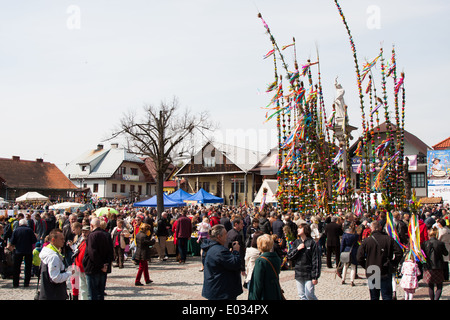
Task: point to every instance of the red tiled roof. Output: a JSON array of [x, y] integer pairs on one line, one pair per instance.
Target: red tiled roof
[[27, 174], [445, 144]]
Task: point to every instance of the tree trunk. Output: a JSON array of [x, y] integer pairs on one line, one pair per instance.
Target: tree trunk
[[159, 193]]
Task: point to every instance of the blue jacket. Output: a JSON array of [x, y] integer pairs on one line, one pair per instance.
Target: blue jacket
[[349, 240], [222, 272]]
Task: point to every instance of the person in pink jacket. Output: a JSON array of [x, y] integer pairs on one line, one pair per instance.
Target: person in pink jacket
[[410, 271]]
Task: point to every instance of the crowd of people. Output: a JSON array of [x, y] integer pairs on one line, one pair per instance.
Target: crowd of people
[[242, 248]]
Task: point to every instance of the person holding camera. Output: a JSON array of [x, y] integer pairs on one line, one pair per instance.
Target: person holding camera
[[222, 271], [236, 235]]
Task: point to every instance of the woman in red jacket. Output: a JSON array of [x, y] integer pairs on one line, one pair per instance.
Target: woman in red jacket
[[79, 284]]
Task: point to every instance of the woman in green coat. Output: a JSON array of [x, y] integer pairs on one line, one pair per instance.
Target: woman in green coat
[[264, 284]]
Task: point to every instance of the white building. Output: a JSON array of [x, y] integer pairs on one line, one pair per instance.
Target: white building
[[110, 173]]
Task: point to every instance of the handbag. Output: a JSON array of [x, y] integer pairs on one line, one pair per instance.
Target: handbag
[[345, 255], [276, 274]]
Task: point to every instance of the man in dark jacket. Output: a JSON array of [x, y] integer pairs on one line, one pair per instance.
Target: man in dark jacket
[[333, 231], [379, 254], [264, 224], [277, 226], [183, 232], [97, 260], [235, 234], [22, 241], [222, 280], [163, 233], [305, 255]]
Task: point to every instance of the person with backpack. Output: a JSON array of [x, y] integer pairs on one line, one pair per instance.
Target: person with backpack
[[379, 254]]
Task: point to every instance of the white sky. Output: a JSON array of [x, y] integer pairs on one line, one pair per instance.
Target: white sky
[[67, 76]]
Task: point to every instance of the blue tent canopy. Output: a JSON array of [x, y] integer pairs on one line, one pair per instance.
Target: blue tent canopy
[[204, 197], [152, 202], [179, 195]]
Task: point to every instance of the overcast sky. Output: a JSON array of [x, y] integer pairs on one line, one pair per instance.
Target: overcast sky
[[70, 69]]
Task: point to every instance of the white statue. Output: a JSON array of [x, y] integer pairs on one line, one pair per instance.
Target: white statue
[[339, 101]]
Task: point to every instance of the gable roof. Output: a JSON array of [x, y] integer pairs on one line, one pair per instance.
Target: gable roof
[[244, 159], [421, 146], [445, 144], [103, 163], [28, 174]]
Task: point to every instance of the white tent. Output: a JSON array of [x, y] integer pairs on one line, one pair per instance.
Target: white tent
[[272, 186], [66, 205], [31, 196]]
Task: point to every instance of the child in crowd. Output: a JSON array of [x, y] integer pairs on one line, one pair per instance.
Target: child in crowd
[[410, 272]]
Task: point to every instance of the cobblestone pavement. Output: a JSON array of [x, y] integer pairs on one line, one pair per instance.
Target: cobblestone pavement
[[172, 281]]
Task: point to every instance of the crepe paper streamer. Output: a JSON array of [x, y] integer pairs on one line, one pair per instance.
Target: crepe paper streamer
[[414, 239], [399, 83], [268, 54], [287, 46], [306, 67], [368, 66], [264, 22], [359, 169], [369, 85], [382, 147], [272, 86], [391, 69], [311, 94], [293, 76], [330, 122], [359, 149], [263, 202], [358, 208], [379, 105], [341, 185], [338, 156], [390, 228]]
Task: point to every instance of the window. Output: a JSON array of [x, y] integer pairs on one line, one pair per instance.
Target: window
[[206, 186], [417, 180], [132, 188], [95, 187], [140, 189], [209, 162], [122, 188], [114, 187], [122, 170], [134, 171]]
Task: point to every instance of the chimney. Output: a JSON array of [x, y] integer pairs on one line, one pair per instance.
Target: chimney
[[40, 160], [99, 147], [16, 158], [114, 145]]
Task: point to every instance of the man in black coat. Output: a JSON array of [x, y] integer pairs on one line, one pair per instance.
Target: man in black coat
[[379, 254], [235, 234], [333, 231], [22, 241], [97, 260], [277, 226]]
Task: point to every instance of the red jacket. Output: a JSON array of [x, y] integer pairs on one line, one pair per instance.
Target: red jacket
[[423, 231], [214, 220], [184, 227], [79, 258]]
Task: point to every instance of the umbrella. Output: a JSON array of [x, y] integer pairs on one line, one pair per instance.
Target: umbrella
[[104, 211], [66, 205], [32, 196]]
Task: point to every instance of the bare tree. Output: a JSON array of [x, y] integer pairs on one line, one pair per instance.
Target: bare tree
[[162, 133]]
